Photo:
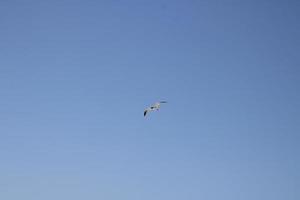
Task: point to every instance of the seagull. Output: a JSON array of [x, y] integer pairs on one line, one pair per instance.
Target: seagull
[[155, 106]]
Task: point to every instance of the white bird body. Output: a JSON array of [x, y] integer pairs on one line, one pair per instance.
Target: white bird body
[[154, 107]]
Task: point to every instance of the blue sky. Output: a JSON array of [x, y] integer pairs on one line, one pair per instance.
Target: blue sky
[[75, 77]]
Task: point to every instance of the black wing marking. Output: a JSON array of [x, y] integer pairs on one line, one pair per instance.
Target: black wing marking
[[145, 112]]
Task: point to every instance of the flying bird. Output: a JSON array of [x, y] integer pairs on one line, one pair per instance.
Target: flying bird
[[155, 106]]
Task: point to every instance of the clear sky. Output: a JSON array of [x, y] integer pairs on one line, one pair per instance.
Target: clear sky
[[76, 76]]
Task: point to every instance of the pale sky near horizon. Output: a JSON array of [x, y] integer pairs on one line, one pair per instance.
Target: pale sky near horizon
[[76, 76]]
